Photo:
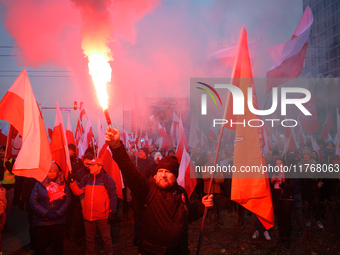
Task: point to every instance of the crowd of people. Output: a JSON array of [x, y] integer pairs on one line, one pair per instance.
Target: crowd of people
[[76, 206]]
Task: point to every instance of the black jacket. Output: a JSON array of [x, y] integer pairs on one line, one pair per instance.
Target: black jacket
[[166, 214]]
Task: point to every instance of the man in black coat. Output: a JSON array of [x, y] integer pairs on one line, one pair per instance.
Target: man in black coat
[[167, 211]]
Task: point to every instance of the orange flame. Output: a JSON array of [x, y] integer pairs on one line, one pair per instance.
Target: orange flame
[[100, 70]]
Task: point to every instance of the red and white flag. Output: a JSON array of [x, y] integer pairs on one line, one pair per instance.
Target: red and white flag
[[182, 144], [290, 141], [186, 168], [310, 122], [174, 125], [252, 192], [110, 166], [20, 109], [59, 145], [327, 126], [316, 147], [288, 57], [13, 143], [3, 134], [88, 135], [49, 130], [69, 132], [161, 131]]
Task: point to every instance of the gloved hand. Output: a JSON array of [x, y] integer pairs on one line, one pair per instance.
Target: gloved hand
[[52, 215], [71, 177]]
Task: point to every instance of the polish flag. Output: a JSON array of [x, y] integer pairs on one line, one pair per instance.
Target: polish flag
[[146, 140], [59, 145], [88, 135], [327, 126], [290, 142], [110, 166], [69, 132], [82, 112], [49, 130], [161, 131], [310, 122], [20, 109], [3, 135], [174, 126], [252, 192], [186, 168], [79, 132], [212, 137], [288, 57], [316, 147], [182, 144], [13, 143]]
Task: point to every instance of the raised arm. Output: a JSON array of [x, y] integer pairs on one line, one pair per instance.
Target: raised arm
[[133, 178]]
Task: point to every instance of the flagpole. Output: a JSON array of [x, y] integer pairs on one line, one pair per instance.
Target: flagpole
[[212, 175]]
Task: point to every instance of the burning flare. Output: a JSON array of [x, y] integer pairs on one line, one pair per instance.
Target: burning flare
[[100, 70]]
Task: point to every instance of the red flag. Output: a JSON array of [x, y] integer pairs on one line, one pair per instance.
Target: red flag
[[110, 166], [161, 131], [290, 142], [82, 112], [146, 141], [310, 122], [252, 193], [69, 132], [59, 145], [13, 143], [316, 147], [288, 57], [327, 126], [79, 132], [186, 167], [88, 135], [212, 137], [19, 108], [3, 135], [182, 144], [49, 130]]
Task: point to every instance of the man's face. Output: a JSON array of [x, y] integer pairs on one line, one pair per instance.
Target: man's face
[[142, 154], [165, 179], [86, 163], [71, 152], [2, 154], [151, 148], [95, 168]]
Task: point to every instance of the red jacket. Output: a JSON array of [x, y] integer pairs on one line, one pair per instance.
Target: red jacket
[[99, 200]]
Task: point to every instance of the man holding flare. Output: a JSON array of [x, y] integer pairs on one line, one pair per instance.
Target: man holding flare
[[167, 211]]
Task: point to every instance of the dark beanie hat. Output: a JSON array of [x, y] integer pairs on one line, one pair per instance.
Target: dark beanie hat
[[88, 156], [72, 147], [146, 150], [170, 163]]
